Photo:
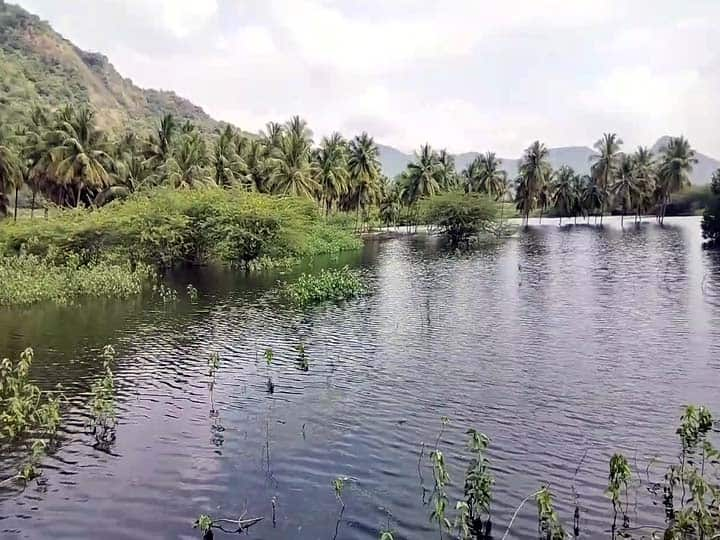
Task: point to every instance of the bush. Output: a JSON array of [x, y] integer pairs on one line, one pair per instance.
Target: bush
[[326, 285], [459, 215], [27, 279], [168, 227], [711, 216]]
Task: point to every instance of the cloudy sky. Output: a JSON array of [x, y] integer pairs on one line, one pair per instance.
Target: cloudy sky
[[462, 74]]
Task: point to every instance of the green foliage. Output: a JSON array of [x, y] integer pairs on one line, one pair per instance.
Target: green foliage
[[326, 285], [387, 535], [548, 520], [620, 475], [102, 401], [711, 216], [460, 215], [166, 227], [203, 523], [478, 480], [192, 292], [26, 413], [28, 279]]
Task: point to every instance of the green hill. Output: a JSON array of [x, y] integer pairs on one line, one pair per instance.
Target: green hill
[[38, 65]]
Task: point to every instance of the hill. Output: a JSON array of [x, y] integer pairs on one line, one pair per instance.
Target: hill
[[38, 65]]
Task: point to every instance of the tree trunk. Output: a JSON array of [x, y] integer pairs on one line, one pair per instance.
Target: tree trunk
[[561, 221], [17, 188], [622, 220], [502, 208], [77, 196], [32, 204]]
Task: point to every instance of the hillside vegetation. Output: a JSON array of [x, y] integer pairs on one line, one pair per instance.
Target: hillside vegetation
[[40, 67]]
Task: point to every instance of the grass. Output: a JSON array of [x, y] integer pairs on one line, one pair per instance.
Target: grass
[[326, 285]]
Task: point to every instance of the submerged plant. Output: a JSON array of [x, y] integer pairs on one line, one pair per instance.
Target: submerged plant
[[478, 486], [268, 362], [326, 285], [620, 475], [102, 401], [302, 358], [213, 366], [192, 292], [549, 524]]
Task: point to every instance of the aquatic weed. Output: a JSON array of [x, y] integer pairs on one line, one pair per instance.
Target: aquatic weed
[[337, 284]]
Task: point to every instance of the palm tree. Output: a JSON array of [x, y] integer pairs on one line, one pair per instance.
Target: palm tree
[[330, 170], [10, 173], [78, 154], [605, 165], [364, 170], [254, 153], [447, 174], [424, 175], [291, 171], [36, 153], [159, 146], [625, 187], [187, 167], [676, 164], [534, 173], [593, 197], [471, 175], [644, 172], [492, 178], [390, 203], [564, 192], [229, 166]]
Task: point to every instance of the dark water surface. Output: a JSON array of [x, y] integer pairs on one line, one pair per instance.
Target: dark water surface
[[563, 345]]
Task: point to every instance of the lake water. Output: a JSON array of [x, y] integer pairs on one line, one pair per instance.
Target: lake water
[[564, 345]]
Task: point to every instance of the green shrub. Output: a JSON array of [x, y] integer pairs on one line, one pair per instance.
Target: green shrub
[[27, 279], [325, 285], [168, 227], [460, 215]]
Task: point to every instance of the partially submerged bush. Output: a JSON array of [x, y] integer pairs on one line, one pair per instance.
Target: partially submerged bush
[[460, 215], [27, 279], [166, 227], [326, 285]]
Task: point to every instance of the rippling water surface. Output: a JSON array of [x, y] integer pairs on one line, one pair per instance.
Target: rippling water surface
[[563, 345]]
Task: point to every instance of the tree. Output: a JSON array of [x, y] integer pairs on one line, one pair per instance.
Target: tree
[[78, 153], [290, 165], [593, 197], [492, 178], [534, 173], [625, 187], [229, 166], [644, 172], [330, 170], [390, 203], [711, 215], [447, 178], [159, 146], [36, 154], [676, 163], [188, 165], [364, 171], [564, 192], [460, 215], [605, 165], [10, 172], [424, 175]]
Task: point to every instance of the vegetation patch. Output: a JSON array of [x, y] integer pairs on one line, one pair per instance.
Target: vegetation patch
[[326, 285], [460, 215], [27, 279]]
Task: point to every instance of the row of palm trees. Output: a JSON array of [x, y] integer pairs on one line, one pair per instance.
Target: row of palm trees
[[66, 158], [70, 161], [637, 183]]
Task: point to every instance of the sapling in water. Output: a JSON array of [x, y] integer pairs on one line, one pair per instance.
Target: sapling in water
[[192, 292], [620, 475], [268, 363], [213, 366], [549, 525], [302, 358], [102, 402]]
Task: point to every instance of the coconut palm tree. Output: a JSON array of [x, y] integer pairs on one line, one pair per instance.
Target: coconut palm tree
[[593, 197], [471, 175], [564, 191], [290, 162], [676, 164], [254, 153], [159, 145], [229, 166], [36, 153], [493, 178], [625, 188], [330, 170], [78, 154], [188, 165], [390, 203], [364, 170], [424, 175], [645, 174], [447, 174], [605, 164], [10, 172], [534, 174]]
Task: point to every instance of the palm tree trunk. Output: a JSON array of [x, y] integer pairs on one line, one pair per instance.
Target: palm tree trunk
[[17, 188], [502, 208], [561, 220], [622, 220], [32, 204]]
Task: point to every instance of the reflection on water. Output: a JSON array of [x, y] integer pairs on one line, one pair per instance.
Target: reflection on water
[[563, 344]]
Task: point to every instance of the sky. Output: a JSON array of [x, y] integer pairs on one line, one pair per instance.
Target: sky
[[466, 75]]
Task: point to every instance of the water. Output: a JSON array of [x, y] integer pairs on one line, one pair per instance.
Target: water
[[563, 345]]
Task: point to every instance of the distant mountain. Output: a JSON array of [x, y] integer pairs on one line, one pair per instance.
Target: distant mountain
[[578, 157], [38, 65]]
